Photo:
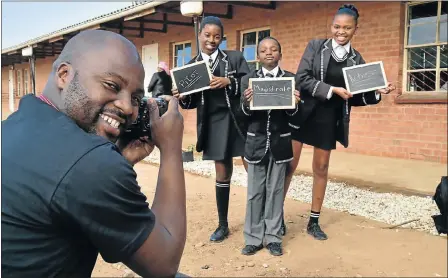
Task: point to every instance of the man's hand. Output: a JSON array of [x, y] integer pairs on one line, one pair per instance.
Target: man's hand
[[297, 96], [166, 131], [135, 150], [160, 254], [248, 95], [343, 93], [219, 82]]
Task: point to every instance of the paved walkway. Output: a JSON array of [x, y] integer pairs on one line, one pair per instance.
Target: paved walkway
[[381, 173]]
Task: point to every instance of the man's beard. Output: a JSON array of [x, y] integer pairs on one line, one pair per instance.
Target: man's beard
[[80, 107]]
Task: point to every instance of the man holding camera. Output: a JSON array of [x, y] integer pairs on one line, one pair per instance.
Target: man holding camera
[[69, 190]]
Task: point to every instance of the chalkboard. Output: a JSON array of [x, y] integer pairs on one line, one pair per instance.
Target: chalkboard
[[272, 93], [191, 78], [365, 78]]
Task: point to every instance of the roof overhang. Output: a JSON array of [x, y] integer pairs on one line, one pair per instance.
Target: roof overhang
[[131, 21], [125, 12]]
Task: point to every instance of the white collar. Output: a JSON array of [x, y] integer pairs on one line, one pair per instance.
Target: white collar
[[335, 45], [205, 57], [274, 71]]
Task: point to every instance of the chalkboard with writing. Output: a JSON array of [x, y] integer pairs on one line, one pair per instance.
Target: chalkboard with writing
[[191, 78], [365, 78], [272, 93]]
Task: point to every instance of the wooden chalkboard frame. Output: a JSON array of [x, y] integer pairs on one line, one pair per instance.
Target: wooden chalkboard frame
[[293, 100], [187, 66], [383, 74]]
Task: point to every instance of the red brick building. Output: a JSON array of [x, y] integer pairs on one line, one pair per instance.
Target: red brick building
[[409, 37]]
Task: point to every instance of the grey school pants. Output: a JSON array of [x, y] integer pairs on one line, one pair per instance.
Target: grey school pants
[[264, 207]]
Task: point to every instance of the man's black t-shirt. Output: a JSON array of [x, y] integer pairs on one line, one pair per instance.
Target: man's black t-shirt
[[66, 195]]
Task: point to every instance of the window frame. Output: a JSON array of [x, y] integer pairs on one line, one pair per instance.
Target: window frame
[[174, 52], [227, 42], [19, 82], [256, 30], [436, 96]]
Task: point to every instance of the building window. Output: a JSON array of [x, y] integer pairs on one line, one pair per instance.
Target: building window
[[426, 48], [223, 45], [19, 83], [249, 42], [181, 54], [26, 81]]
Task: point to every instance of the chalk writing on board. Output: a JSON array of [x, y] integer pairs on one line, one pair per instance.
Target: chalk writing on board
[[189, 80], [365, 77], [272, 93]]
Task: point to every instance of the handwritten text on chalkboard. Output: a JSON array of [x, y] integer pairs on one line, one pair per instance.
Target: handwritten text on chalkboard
[[189, 80], [272, 90], [272, 93], [365, 77]]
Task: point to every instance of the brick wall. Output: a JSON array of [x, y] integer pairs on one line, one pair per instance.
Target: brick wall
[[412, 131]]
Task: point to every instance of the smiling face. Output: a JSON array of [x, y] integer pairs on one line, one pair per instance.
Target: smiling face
[[209, 38], [343, 28], [103, 93], [268, 53]]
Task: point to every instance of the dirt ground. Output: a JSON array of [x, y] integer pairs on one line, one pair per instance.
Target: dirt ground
[[356, 247]]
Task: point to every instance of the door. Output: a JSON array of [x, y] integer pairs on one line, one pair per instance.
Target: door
[[150, 60], [11, 90]]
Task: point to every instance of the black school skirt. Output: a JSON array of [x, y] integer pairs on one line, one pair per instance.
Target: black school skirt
[[223, 139], [320, 128]]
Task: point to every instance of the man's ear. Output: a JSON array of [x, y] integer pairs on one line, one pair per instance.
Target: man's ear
[[64, 75]]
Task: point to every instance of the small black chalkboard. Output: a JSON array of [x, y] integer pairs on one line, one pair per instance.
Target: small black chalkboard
[[365, 77], [272, 93], [191, 78]]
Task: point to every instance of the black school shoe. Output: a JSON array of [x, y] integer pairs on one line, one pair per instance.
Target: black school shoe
[[275, 248], [315, 231], [220, 234], [251, 249]]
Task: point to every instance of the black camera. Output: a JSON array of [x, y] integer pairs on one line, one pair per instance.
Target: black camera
[[141, 126]]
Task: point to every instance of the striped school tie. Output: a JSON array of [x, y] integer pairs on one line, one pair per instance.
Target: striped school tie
[[210, 62]]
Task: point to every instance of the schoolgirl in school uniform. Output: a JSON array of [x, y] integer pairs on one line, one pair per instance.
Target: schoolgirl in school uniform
[[220, 130], [268, 152], [326, 104]]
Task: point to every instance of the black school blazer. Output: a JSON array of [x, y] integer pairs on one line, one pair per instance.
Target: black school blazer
[[267, 130], [309, 82], [233, 66]]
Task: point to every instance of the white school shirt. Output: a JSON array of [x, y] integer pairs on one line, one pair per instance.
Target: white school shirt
[[340, 51], [206, 57], [274, 71]]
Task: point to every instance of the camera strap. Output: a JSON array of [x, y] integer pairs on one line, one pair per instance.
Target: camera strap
[[47, 101]]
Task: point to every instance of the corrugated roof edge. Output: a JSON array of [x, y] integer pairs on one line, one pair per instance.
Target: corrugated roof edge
[[134, 8]]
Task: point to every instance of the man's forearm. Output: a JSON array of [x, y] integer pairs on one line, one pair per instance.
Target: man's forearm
[[161, 253], [169, 204]]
